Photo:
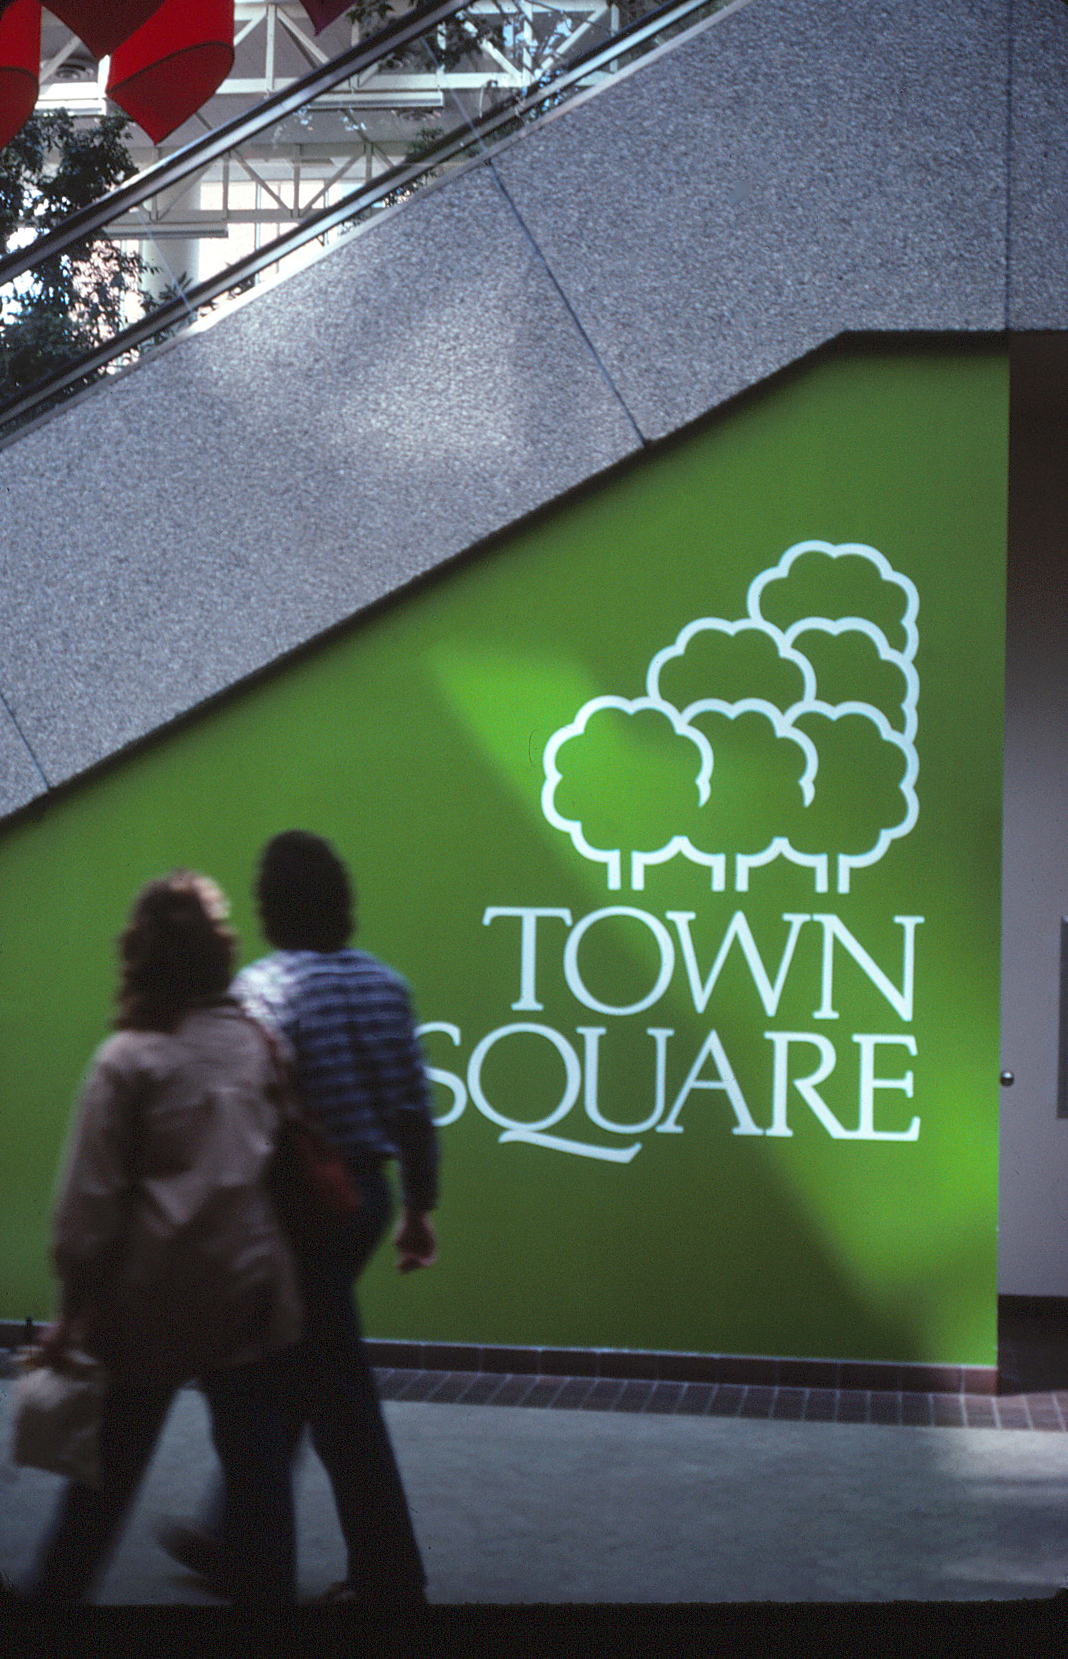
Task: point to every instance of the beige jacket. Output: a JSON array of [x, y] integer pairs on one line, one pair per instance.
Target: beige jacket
[[163, 1222]]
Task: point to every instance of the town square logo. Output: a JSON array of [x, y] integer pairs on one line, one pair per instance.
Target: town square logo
[[786, 734]]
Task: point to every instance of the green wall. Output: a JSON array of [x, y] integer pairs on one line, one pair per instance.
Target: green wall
[[416, 742]]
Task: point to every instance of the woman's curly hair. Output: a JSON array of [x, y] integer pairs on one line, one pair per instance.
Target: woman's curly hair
[[175, 952]]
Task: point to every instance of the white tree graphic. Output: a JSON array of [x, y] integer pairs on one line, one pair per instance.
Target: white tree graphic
[[786, 733]]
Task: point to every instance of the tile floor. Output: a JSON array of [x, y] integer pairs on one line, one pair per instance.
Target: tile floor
[[1033, 1350]]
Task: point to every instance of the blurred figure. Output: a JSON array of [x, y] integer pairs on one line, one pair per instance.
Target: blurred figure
[[348, 1021], [170, 1259]]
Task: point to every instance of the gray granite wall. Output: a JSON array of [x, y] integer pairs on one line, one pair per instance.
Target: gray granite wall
[[795, 169], [1038, 172]]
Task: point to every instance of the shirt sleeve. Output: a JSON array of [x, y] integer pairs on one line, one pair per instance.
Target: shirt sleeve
[[406, 1089], [96, 1177]]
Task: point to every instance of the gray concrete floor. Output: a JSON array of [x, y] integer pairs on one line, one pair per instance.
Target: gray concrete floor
[[521, 1506]]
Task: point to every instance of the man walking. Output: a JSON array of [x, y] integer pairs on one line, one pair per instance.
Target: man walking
[[358, 1069]]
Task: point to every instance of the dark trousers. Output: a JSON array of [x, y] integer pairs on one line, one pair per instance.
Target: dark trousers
[[250, 1432], [343, 1412], [336, 1399]]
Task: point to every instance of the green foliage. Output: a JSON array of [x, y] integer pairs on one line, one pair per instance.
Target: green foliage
[[457, 39], [74, 300], [423, 144]]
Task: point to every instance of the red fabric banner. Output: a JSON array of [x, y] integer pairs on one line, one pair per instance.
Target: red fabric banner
[[173, 63], [20, 60]]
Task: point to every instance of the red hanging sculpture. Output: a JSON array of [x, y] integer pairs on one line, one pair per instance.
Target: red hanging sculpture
[[323, 12], [20, 60], [167, 56], [104, 24], [173, 63]]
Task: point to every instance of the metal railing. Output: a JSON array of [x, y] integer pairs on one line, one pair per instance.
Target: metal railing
[[470, 134]]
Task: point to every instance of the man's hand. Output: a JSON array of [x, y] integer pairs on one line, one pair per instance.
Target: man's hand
[[70, 1330], [416, 1243]]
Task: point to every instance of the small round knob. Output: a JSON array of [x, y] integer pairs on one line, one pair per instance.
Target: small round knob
[[1008, 1078]]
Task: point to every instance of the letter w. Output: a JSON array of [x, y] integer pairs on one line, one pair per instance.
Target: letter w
[[738, 929]]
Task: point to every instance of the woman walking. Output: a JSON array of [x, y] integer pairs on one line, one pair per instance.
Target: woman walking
[[170, 1259]]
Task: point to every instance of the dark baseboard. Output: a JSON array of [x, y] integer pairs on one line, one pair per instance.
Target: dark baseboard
[[642, 1365], [675, 1367], [17, 1333], [1042, 1307]]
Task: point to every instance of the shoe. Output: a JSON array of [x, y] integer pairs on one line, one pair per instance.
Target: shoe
[[338, 1593], [385, 1598], [197, 1551]]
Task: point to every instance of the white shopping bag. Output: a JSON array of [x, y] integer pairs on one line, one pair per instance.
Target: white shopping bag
[[56, 1415]]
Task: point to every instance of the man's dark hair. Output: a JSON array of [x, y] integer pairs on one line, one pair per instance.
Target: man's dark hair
[[304, 894]]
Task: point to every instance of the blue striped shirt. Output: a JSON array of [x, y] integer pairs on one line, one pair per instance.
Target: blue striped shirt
[[359, 1067]]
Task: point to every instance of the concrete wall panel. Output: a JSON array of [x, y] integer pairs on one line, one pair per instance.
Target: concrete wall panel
[[793, 171], [313, 451]]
